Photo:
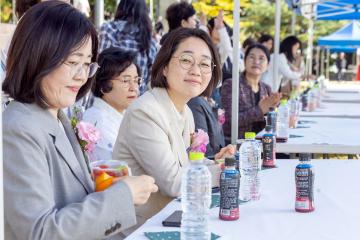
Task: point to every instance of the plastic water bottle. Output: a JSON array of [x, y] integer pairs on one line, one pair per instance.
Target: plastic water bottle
[[304, 181], [293, 108], [250, 166], [195, 199], [271, 119], [283, 115]]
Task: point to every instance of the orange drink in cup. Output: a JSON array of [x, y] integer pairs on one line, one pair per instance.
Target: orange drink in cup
[[106, 172]]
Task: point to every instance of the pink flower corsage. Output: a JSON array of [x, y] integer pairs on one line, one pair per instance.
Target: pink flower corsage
[[221, 116], [199, 141], [86, 133]]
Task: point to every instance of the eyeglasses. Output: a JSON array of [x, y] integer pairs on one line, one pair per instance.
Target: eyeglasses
[[255, 59], [77, 68], [187, 62], [127, 80]]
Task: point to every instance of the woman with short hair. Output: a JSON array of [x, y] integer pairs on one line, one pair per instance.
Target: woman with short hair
[[116, 87], [156, 130], [255, 97], [48, 189]]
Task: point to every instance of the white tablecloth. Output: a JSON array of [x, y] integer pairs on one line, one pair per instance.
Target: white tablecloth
[[324, 135], [342, 96], [335, 110], [336, 215]]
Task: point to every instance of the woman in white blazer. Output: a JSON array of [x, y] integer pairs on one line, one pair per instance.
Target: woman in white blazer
[[156, 128], [48, 190], [290, 65]]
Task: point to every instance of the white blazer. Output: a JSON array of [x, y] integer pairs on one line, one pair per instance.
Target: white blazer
[[284, 72], [153, 139]]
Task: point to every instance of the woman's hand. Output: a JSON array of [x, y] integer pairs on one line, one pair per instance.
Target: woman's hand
[[269, 101], [219, 20], [227, 151], [141, 187]]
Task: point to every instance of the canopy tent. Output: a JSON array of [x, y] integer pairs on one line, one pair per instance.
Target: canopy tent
[[338, 10], [348, 36]]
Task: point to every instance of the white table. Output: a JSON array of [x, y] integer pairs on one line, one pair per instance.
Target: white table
[[324, 135], [335, 110], [336, 215], [342, 96]]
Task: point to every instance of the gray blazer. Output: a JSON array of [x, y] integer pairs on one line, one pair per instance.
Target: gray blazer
[[48, 190]]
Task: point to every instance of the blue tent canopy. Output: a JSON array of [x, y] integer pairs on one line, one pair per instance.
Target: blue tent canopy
[[348, 36], [338, 10]]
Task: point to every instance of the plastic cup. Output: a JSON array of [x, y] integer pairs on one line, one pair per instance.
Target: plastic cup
[[105, 172]]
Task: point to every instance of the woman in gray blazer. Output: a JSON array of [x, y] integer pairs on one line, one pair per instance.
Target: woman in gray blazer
[[48, 190], [156, 128]]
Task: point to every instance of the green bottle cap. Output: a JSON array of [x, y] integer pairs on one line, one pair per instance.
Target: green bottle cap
[[283, 101], [250, 135], [196, 156]]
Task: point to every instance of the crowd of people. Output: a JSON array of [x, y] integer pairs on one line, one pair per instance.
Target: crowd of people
[[146, 96]]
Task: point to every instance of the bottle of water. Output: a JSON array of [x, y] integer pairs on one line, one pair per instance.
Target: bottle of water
[[271, 119], [283, 115], [195, 199], [250, 166]]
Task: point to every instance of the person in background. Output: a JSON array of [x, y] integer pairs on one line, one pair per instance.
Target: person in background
[[131, 30], [206, 117], [116, 87], [255, 97], [341, 66], [156, 130], [48, 189], [267, 41], [290, 66], [179, 14]]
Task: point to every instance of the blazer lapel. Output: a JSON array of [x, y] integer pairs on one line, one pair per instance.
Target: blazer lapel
[[176, 130], [75, 159]]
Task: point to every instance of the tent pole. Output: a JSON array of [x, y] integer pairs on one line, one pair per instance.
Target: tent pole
[[99, 13], [322, 61], [310, 46], [327, 63], [235, 75], [317, 60], [293, 22], [276, 43]]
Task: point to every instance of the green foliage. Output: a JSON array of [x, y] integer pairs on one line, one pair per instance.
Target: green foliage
[[6, 11], [258, 17]]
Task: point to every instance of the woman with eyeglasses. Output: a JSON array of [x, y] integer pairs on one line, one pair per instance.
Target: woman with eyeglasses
[[48, 189], [255, 97], [116, 87], [156, 129]]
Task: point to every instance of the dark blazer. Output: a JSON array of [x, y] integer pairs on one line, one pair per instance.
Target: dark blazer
[[48, 190], [251, 118], [206, 119]]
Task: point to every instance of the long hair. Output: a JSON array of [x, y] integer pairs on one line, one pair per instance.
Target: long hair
[[286, 47], [135, 12]]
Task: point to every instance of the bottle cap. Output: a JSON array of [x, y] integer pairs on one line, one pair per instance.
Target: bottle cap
[[250, 135], [229, 161], [196, 156], [304, 156], [283, 101], [268, 128]]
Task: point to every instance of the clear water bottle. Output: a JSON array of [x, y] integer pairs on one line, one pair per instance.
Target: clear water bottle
[[271, 119], [283, 115], [250, 166], [195, 199], [293, 108]]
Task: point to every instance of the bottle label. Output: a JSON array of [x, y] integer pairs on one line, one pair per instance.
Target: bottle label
[[269, 155], [229, 195], [304, 179]]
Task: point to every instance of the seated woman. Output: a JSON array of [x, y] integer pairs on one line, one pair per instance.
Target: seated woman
[[156, 128], [206, 118], [48, 190], [290, 64], [255, 97], [116, 87]]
